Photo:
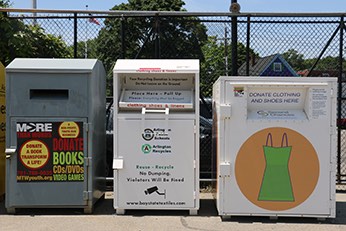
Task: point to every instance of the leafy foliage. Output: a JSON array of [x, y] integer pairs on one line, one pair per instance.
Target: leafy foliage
[[20, 40], [176, 38], [298, 63], [215, 65]]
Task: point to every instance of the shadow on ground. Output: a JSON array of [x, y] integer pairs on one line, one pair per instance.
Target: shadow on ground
[[207, 209]]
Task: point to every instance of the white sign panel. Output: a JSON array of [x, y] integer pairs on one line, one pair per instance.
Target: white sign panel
[[156, 99], [158, 170]]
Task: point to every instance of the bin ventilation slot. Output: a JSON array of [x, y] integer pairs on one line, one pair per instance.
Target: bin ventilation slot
[[49, 94]]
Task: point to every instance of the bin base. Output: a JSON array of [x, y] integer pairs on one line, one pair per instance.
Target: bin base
[[273, 218]]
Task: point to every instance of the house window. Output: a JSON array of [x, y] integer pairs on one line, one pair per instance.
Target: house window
[[277, 67]]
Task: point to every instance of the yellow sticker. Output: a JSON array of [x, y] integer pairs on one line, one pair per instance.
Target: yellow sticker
[[34, 154], [69, 130]]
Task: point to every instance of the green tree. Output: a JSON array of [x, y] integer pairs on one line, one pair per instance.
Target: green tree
[[21, 40], [295, 59], [328, 63], [178, 37], [82, 48], [214, 64]]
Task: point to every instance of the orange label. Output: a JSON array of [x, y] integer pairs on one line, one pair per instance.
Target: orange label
[[69, 130], [34, 154]]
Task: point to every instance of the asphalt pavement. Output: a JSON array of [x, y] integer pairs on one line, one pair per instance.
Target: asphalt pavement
[[104, 218]]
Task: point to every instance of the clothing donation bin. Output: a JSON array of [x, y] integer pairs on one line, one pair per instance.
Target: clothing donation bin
[[276, 146], [156, 124], [2, 131], [55, 134]]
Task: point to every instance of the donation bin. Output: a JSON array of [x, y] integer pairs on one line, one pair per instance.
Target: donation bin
[[156, 124], [276, 146], [55, 134], [2, 131]]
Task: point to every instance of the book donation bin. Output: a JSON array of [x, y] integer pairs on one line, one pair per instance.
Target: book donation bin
[[276, 146], [156, 124], [55, 134], [2, 131]]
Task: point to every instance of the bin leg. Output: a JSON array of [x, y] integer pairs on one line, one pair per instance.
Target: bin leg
[[11, 210], [193, 212], [120, 211], [88, 210], [226, 217]]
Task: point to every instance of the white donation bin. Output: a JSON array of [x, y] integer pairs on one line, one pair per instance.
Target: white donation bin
[[156, 135], [276, 146]]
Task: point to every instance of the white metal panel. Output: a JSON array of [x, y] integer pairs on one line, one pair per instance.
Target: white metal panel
[[302, 109], [51, 65], [156, 66], [158, 164]]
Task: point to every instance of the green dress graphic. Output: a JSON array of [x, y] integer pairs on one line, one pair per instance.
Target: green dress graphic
[[276, 183]]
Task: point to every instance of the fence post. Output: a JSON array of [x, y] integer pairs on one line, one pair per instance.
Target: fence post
[[157, 38], [122, 32], [342, 26], [75, 31], [234, 44], [248, 46]]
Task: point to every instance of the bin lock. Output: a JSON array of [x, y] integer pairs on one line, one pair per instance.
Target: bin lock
[[225, 111], [118, 164], [9, 152], [225, 169]]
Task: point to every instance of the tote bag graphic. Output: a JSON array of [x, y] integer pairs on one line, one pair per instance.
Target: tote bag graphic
[[276, 183]]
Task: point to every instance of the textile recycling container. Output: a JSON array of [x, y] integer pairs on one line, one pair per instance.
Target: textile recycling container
[[156, 135], [55, 134], [2, 131], [276, 146]]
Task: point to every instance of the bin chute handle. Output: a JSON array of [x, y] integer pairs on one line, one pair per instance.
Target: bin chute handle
[[165, 111]]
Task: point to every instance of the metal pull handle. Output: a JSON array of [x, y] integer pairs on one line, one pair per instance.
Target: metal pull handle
[[165, 111], [9, 152]]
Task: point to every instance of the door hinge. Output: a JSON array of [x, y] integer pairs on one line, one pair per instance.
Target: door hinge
[[87, 127], [194, 129], [87, 161], [87, 195]]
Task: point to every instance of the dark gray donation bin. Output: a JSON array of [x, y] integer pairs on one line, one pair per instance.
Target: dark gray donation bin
[[55, 133]]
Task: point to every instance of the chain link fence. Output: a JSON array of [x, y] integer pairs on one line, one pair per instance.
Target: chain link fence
[[312, 44]]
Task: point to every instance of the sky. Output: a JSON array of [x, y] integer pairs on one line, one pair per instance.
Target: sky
[[287, 6]]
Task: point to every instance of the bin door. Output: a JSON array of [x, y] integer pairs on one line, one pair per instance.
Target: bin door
[[45, 162], [158, 164]]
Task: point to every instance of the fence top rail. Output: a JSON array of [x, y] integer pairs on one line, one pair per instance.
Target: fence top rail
[[171, 13]]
